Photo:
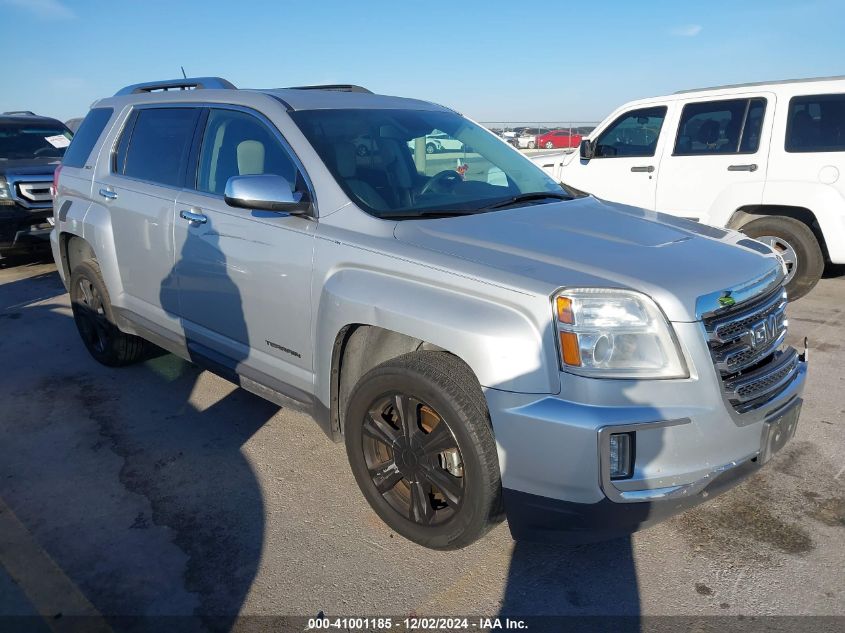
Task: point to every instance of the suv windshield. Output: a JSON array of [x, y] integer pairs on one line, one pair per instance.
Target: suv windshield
[[25, 139], [415, 163]]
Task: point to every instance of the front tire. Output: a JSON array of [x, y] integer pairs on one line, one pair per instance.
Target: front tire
[[94, 318], [549, 145], [797, 244], [421, 447], [430, 148]]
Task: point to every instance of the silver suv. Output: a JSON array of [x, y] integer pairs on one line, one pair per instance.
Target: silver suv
[[483, 343]]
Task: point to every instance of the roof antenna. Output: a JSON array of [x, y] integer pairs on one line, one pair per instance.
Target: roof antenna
[[184, 76]]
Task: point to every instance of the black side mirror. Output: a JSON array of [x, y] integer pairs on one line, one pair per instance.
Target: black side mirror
[[587, 149]]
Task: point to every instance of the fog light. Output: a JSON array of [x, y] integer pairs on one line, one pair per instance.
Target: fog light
[[621, 458]]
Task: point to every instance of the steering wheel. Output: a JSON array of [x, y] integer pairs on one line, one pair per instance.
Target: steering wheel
[[442, 182]]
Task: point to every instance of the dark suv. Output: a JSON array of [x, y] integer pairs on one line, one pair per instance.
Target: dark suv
[[30, 149]]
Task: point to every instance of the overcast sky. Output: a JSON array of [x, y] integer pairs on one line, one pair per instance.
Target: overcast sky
[[493, 60]]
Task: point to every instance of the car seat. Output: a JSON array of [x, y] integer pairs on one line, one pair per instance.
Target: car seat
[[250, 157], [708, 134], [397, 169], [347, 170]]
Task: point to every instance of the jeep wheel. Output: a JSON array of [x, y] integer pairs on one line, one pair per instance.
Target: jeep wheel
[[531, 144], [362, 150], [94, 319], [430, 148], [795, 242], [549, 145], [421, 447]]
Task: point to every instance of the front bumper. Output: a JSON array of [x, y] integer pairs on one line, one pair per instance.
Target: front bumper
[[23, 229], [689, 446], [537, 518]]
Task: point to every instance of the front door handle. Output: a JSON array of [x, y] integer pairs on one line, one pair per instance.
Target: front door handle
[[108, 194], [643, 168], [193, 218], [751, 167]]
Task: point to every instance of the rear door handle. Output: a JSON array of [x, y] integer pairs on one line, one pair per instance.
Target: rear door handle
[[193, 218], [751, 167], [644, 168], [108, 194]]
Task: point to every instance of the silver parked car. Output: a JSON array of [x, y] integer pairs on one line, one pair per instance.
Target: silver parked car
[[482, 342]]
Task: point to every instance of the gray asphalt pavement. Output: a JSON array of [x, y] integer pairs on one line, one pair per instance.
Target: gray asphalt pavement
[[161, 489]]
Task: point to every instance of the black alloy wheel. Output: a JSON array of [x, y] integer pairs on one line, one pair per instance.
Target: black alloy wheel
[[420, 444], [94, 318], [90, 313], [413, 459]]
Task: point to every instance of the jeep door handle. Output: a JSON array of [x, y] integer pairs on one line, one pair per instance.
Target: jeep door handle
[[108, 194], [751, 167], [193, 218], [643, 168]]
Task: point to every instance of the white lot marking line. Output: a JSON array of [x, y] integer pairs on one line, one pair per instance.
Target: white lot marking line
[[43, 582], [839, 474]]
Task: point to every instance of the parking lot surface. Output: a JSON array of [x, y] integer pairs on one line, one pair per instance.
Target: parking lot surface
[[162, 489]]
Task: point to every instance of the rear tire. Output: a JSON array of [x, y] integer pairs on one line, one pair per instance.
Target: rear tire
[[795, 241], [531, 144], [430, 148], [438, 486], [549, 145], [94, 317]]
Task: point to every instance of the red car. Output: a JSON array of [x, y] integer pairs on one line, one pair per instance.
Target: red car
[[558, 138]]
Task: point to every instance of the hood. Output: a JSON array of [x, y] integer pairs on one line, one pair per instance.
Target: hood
[[30, 166], [589, 242]]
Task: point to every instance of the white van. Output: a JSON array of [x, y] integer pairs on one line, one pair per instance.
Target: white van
[[765, 158]]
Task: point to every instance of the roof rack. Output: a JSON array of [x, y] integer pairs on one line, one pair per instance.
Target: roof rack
[[763, 83], [189, 83], [19, 113], [335, 88]]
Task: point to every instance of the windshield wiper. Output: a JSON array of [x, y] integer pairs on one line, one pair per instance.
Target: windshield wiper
[[450, 213], [525, 197], [432, 213]]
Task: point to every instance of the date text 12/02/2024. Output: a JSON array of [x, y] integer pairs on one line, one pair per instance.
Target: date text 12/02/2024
[[416, 623]]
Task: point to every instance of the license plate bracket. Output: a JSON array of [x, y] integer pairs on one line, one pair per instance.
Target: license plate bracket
[[779, 430]]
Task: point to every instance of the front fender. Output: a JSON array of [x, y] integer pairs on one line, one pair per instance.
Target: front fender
[[503, 344]]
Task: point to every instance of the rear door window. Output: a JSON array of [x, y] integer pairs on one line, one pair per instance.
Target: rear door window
[[635, 133], [816, 123], [86, 137], [720, 127], [159, 145]]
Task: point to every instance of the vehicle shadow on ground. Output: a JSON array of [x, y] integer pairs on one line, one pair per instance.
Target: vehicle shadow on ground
[[577, 581], [578, 560], [131, 461], [38, 256]]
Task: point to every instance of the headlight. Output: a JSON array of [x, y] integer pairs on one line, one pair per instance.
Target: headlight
[[608, 333], [5, 194]]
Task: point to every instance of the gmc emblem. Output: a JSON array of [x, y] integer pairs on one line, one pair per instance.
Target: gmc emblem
[[764, 331]]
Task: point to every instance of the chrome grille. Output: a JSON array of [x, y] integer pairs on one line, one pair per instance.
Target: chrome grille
[[35, 191], [31, 190], [745, 343]]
